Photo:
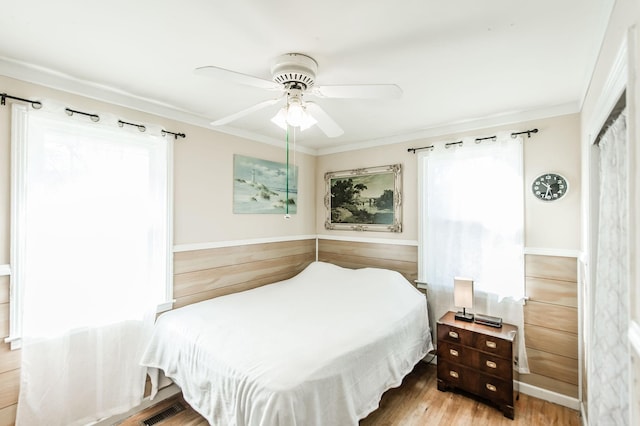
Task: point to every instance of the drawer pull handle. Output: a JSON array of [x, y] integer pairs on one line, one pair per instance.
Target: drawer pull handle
[[453, 334], [453, 352], [491, 364], [491, 387], [454, 374], [491, 344]]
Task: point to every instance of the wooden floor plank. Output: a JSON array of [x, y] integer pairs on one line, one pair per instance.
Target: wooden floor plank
[[417, 402]]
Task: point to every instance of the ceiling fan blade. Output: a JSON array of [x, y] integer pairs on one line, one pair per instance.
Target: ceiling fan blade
[[324, 122], [237, 77], [359, 91], [247, 111]]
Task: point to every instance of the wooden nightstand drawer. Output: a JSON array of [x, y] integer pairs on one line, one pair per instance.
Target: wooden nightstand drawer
[[496, 366], [495, 389], [457, 376], [493, 345], [447, 333], [450, 352]]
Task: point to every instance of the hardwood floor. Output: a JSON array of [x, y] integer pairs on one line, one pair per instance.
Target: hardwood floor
[[417, 402]]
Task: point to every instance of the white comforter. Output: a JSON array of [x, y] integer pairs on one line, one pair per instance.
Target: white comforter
[[317, 349]]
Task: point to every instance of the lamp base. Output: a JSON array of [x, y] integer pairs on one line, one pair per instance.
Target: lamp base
[[464, 316]]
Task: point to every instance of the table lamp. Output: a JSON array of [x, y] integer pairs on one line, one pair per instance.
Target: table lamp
[[463, 297]]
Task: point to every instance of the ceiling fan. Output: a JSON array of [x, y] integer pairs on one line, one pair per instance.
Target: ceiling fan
[[293, 75]]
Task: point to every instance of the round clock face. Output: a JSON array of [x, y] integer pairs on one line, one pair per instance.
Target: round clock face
[[549, 187]]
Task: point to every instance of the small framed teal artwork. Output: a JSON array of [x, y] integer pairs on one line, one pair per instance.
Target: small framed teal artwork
[[260, 186]]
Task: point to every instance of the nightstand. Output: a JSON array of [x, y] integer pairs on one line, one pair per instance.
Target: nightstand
[[477, 359]]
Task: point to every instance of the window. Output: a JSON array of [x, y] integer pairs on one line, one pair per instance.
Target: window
[[90, 231], [91, 261], [472, 225]]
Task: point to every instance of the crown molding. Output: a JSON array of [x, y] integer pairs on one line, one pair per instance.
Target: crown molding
[[60, 81], [461, 126]]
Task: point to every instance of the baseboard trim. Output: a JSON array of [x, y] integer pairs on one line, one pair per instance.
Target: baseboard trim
[[547, 395], [164, 393]]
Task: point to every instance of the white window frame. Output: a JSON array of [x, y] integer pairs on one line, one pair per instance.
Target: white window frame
[[19, 121]]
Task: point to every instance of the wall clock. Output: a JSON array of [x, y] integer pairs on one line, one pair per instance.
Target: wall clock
[[549, 187]]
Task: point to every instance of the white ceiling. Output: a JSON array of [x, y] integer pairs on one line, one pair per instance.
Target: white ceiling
[[456, 61]]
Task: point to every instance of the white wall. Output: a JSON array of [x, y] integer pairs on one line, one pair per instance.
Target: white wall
[[203, 181], [204, 191], [556, 147]]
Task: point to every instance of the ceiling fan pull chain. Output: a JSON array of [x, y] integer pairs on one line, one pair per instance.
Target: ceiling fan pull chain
[[286, 201]]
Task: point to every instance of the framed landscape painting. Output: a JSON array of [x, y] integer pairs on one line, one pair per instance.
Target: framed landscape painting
[[368, 199], [260, 186]]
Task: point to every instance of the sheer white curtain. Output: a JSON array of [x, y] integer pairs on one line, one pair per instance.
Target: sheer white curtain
[[472, 225], [91, 236], [609, 360]]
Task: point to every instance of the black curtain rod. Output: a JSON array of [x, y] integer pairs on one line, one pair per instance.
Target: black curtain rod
[[94, 117], [143, 128], [413, 150], [450, 144], [175, 135], [493, 138], [478, 140], [34, 104], [528, 132]]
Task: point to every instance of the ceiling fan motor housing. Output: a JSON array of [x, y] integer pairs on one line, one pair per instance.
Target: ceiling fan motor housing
[[294, 71]]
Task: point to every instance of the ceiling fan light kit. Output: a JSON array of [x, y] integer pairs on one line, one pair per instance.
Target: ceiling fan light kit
[[294, 74]]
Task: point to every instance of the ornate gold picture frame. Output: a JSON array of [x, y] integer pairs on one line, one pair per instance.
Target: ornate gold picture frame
[[367, 199]]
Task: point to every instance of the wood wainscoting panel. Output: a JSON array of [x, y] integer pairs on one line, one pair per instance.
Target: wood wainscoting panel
[[563, 318], [8, 415], [204, 274], [4, 289], [551, 323], [9, 360], [230, 275], [198, 260], [354, 255], [553, 341], [551, 365], [4, 320], [552, 267], [550, 383], [556, 292], [9, 385], [230, 289]]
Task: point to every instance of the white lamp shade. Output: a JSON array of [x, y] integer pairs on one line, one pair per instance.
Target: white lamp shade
[[463, 292], [304, 121], [295, 113], [280, 118]]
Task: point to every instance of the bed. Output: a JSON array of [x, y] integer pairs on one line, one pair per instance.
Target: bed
[[317, 349]]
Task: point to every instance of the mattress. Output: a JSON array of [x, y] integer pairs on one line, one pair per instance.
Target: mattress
[[317, 349]]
